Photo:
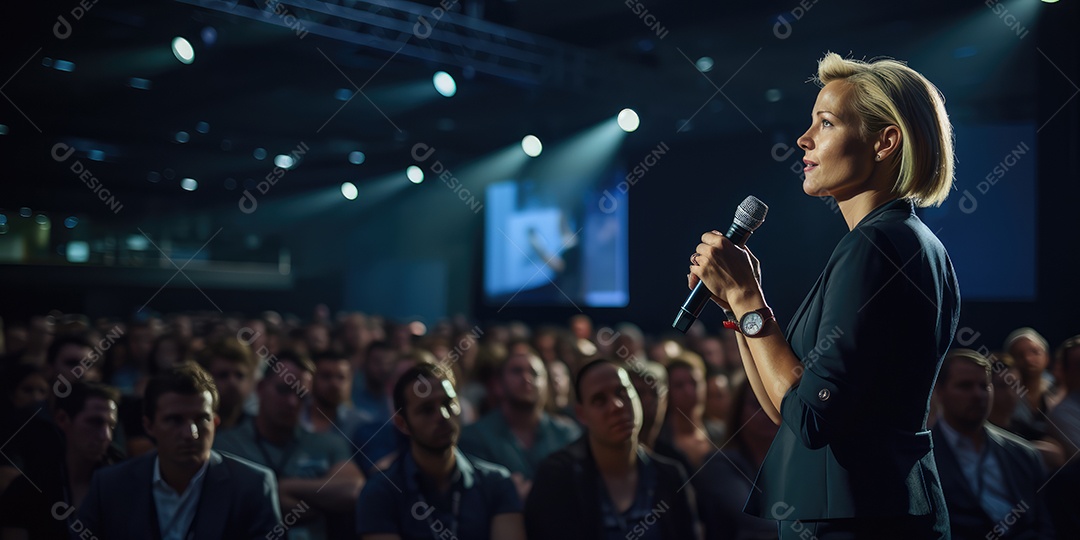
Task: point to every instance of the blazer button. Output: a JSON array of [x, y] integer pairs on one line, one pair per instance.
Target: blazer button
[[824, 394]]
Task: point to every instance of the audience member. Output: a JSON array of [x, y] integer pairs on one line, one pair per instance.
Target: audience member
[[990, 477], [434, 489], [650, 384], [725, 480], [369, 389], [1065, 417], [605, 485], [41, 507], [233, 365], [519, 434], [717, 402], [1031, 353], [313, 470], [329, 410], [685, 428], [184, 489]]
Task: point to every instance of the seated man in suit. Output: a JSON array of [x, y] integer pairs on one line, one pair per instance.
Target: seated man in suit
[[605, 485], [433, 489], [184, 489], [990, 477]]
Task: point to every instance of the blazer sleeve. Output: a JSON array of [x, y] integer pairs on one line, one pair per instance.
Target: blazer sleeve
[[864, 297], [263, 505]]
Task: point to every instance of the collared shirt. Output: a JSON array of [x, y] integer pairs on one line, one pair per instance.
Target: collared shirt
[[490, 439], [982, 470], [401, 501], [176, 511]]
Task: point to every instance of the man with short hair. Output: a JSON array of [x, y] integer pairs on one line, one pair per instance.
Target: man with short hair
[[990, 477], [605, 485], [519, 434], [184, 489], [232, 364], [434, 489], [313, 469], [329, 410], [369, 384], [40, 507]]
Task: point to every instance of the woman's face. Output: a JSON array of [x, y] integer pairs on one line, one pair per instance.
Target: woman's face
[[839, 161]]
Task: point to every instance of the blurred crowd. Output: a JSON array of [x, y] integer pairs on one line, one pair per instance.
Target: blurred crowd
[[352, 426]]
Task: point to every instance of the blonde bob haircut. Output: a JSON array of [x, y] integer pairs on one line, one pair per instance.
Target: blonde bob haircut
[[889, 93]]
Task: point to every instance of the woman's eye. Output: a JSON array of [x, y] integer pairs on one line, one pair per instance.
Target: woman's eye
[[825, 123]]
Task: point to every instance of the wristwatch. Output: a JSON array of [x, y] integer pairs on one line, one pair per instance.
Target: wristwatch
[[752, 322]]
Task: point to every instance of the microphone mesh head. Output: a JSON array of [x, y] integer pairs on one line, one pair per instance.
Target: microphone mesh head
[[751, 213]]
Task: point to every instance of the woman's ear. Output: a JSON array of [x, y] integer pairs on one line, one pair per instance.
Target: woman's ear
[[887, 143]]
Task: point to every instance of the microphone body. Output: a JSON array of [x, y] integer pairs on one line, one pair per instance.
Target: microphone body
[[749, 216]]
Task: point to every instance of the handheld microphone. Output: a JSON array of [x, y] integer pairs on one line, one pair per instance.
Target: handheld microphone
[[748, 217]]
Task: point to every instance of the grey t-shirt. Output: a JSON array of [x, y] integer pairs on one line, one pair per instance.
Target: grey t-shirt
[[306, 455]]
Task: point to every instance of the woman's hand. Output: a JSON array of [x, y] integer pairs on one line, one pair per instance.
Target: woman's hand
[[732, 273]]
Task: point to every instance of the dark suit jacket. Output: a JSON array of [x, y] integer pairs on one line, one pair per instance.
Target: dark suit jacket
[[871, 336], [563, 502], [1022, 466], [239, 500]]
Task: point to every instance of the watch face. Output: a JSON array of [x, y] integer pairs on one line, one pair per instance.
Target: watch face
[[752, 323]]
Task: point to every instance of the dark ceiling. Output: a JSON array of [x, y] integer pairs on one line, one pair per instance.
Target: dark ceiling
[[550, 67]]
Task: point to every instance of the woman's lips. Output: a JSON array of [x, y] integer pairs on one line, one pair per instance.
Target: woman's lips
[[810, 165]]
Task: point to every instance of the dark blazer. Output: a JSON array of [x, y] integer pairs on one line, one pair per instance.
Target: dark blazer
[[239, 500], [1022, 466], [871, 336], [563, 502]]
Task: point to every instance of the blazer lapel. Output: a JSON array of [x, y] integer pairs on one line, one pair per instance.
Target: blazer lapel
[[144, 505], [213, 514]]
